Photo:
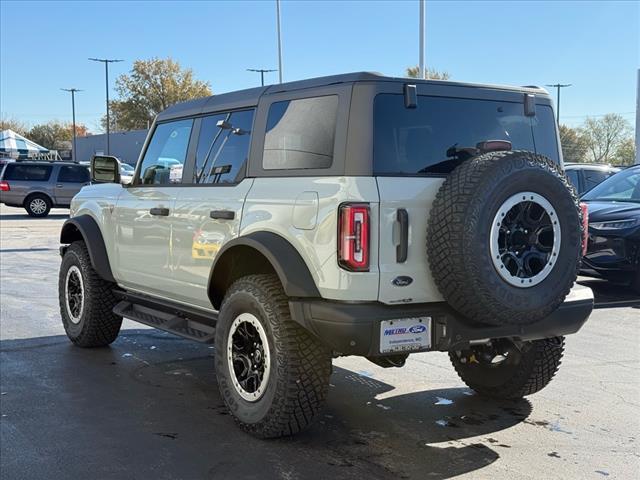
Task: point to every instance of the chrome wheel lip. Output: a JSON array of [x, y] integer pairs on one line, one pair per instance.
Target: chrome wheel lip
[[494, 246], [72, 272], [38, 206], [253, 321]]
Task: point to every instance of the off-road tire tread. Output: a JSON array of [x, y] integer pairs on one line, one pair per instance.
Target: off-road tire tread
[[538, 367], [446, 239], [100, 325], [303, 363]]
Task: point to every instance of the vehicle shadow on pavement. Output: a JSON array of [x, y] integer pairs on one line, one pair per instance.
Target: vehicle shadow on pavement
[[17, 216], [149, 407]]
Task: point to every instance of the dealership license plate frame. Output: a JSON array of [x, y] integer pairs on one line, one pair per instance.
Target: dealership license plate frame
[[400, 335]]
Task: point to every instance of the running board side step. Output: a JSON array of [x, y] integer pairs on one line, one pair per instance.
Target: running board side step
[[185, 322]]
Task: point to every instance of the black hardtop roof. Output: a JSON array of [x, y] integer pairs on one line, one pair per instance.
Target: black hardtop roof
[[251, 96]]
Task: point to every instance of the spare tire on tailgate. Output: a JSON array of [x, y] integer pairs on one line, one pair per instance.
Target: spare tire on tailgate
[[504, 238]]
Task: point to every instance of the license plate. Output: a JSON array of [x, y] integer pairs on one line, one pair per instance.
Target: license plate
[[405, 334]]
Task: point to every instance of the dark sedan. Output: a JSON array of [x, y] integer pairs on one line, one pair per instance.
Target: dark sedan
[[614, 229]]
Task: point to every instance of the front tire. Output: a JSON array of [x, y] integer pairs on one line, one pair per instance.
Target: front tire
[[508, 370], [272, 374], [86, 300]]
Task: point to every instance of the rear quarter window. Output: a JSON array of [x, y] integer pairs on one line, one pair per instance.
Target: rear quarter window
[[31, 173], [415, 141], [301, 133]]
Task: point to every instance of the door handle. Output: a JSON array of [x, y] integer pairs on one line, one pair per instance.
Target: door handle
[[402, 249], [222, 214], [161, 212], [59, 185]]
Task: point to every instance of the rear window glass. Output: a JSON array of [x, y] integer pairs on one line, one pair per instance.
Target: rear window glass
[[301, 133], [423, 140], [32, 173]]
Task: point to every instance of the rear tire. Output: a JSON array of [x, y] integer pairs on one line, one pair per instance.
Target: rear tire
[[280, 393], [527, 368], [37, 205], [86, 300]]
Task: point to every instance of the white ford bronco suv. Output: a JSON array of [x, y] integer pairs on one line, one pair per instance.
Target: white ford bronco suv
[[354, 214]]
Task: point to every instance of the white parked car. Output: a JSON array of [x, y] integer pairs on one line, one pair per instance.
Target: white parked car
[[126, 173]]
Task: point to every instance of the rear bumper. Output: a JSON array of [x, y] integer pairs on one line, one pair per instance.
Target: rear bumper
[[354, 328]]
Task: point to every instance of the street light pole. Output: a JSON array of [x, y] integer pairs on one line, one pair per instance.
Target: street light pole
[[279, 42], [106, 62], [262, 71], [73, 114], [638, 119], [422, 71], [558, 86]]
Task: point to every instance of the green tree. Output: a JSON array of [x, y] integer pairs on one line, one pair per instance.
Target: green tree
[[574, 146], [55, 135], [10, 123], [603, 137], [152, 86], [626, 152], [432, 74]]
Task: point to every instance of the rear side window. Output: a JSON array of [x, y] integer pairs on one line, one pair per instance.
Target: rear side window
[[594, 177], [165, 156], [73, 174], [223, 148], [422, 140], [301, 133], [32, 173]]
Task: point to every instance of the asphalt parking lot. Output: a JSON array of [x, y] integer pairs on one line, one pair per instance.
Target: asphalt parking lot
[[148, 406]]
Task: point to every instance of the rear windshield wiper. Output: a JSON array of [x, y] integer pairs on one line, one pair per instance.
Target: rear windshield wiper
[[456, 155]]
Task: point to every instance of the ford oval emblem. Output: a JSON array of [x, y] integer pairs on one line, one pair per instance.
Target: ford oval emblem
[[402, 281], [418, 329]]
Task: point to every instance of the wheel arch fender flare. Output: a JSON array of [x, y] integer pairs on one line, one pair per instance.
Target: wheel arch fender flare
[[84, 227], [37, 192], [282, 256]]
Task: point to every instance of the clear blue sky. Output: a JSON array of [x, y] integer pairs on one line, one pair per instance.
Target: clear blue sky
[[44, 46]]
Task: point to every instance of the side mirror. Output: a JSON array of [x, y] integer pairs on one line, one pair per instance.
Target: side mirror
[[105, 169]]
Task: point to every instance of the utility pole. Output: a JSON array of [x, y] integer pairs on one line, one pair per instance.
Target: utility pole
[[638, 119], [421, 64], [262, 71], [279, 41], [106, 62], [558, 86], [73, 114]]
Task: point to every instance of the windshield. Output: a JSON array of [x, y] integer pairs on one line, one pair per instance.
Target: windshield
[[621, 187]]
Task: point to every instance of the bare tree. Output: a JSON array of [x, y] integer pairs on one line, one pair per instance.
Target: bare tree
[[432, 74], [604, 136], [10, 123]]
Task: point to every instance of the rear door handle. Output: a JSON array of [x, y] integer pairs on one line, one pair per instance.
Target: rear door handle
[[402, 249], [222, 214], [161, 212]]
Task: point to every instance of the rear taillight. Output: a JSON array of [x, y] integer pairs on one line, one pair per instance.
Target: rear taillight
[[353, 237], [585, 227], [4, 186]]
